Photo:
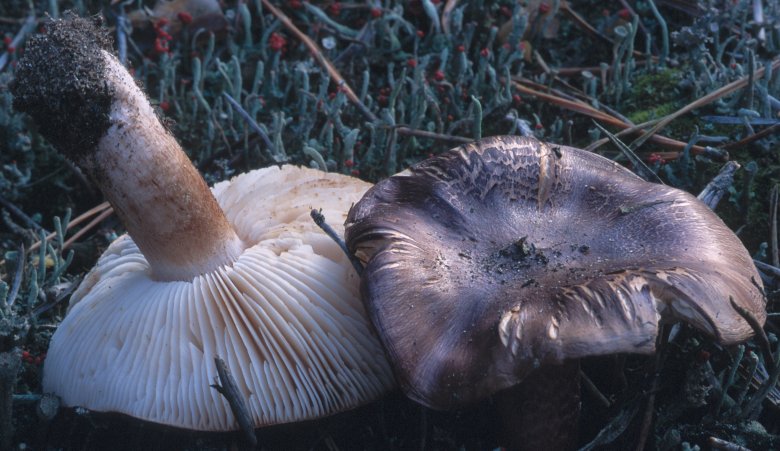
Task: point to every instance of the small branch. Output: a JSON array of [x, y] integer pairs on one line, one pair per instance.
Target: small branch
[[406, 131], [61, 297], [20, 214], [640, 167], [584, 108], [763, 341], [577, 71], [658, 124], [718, 186], [17, 282], [103, 210], [229, 389], [317, 54], [594, 390], [253, 125], [702, 101], [769, 131], [319, 219], [616, 426], [83, 231], [763, 391]]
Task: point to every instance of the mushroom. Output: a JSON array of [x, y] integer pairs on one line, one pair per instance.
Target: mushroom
[[240, 272], [508, 258]]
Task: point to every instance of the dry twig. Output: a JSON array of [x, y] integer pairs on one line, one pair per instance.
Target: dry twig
[[342, 84], [229, 389], [706, 100], [584, 108]]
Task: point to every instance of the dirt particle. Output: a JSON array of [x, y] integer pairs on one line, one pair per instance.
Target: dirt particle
[[60, 83]]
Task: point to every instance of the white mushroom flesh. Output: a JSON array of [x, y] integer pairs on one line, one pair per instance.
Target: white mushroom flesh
[[286, 317]]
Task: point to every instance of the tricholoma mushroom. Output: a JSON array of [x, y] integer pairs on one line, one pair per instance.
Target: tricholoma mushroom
[[505, 257], [242, 274]]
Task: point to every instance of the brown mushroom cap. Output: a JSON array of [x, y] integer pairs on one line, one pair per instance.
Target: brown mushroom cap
[[502, 255]]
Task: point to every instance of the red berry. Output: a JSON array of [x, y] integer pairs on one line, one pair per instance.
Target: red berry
[[295, 4], [7, 40], [624, 14], [438, 75], [165, 106], [161, 33], [411, 62], [277, 42], [160, 46], [184, 17], [517, 99], [654, 158], [420, 34], [376, 12], [544, 8], [334, 9], [355, 172], [461, 48], [349, 163], [484, 52]]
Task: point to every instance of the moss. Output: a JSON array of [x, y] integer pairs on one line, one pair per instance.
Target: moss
[[652, 112], [651, 88], [655, 95]]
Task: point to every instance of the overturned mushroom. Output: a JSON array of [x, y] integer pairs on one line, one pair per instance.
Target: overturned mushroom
[[500, 257], [243, 274]]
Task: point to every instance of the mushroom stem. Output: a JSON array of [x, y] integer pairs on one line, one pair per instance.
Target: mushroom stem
[[90, 107], [156, 191]]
